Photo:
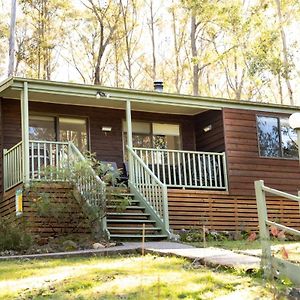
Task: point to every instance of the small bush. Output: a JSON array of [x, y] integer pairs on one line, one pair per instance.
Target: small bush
[[13, 236]]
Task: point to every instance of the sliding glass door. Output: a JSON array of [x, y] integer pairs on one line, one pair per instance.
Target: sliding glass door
[[53, 128]]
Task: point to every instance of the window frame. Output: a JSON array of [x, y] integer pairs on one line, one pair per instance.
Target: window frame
[[278, 117], [57, 127], [151, 132]]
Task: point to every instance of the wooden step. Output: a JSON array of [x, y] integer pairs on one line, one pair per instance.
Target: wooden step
[[130, 221], [134, 228], [131, 207], [126, 214], [122, 195]]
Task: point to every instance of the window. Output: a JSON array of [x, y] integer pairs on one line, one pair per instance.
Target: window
[[153, 135], [74, 130], [166, 136], [47, 128], [276, 138], [42, 128]]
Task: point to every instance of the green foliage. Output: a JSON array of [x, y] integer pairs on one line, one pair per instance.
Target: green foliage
[[195, 235], [13, 236], [88, 191]]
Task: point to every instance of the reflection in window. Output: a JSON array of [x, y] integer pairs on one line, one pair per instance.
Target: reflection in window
[[153, 135], [141, 134], [288, 139], [166, 136], [74, 130], [276, 138], [42, 128]]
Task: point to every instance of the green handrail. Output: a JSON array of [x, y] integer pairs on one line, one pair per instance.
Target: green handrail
[[12, 166], [150, 189]]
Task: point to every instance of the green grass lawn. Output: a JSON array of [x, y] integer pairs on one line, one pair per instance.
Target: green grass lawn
[[136, 277], [241, 244]]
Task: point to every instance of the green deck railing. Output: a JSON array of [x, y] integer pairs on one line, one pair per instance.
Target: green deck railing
[[56, 161], [12, 166], [271, 265], [189, 169], [150, 190]]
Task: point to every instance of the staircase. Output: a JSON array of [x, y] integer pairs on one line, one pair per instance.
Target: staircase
[[126, 216]]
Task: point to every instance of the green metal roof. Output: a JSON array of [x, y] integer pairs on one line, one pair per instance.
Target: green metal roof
[[82, 94]]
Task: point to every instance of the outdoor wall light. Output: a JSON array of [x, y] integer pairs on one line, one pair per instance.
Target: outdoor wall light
[[106, 128], [294, 121], [207, 128]]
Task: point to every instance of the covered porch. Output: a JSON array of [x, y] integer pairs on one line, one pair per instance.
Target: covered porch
[[162, 144], [183, 150]]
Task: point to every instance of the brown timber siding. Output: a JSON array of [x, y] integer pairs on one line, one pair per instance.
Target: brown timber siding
[[8, 203], [108, 147], [217, 211], [244, 164], [72, 221], [212, 141], [1, 153]]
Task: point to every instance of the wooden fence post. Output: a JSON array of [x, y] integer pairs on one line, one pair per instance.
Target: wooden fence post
[[266, 258]]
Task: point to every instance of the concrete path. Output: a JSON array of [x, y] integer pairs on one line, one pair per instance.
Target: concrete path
[[206, 256]]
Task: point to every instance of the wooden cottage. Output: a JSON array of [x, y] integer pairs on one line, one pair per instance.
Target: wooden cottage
[[191, 160]]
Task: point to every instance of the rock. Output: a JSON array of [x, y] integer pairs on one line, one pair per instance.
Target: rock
[[69, 245], [98, 246], [237, 236], [174, 237], [42, 241]]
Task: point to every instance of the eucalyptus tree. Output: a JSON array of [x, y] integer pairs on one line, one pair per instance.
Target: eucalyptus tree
[[131, 36], [105, 17], [4, 33], [202, 35], [283, 7], [39, 44], [178, 71]]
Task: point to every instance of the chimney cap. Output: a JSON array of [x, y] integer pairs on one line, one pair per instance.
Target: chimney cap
[[158, 85]]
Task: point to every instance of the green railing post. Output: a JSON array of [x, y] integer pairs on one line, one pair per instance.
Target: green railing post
[[225, 171], [5, 170], [165, 207], [266, 258]]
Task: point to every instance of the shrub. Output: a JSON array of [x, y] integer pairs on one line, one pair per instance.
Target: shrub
[[13, 236]]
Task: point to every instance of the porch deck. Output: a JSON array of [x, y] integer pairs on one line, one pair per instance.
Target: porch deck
[[151, 171]]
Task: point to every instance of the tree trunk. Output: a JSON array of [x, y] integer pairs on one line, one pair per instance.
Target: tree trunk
[[152, 41], [12, 38], [176, 50], [194, 56], [128, 48], [284, 52]]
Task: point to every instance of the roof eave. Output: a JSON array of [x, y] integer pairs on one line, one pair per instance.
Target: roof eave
[[122, 94]]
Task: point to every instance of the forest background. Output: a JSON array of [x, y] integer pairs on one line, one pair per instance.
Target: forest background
[[244, 50]]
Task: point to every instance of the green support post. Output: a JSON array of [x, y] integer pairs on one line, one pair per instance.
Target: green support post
[[129, 138], [25, 133], [266, 258]]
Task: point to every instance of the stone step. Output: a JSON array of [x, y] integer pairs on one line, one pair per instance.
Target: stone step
[[138, 236]]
